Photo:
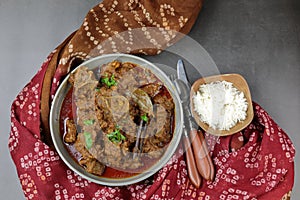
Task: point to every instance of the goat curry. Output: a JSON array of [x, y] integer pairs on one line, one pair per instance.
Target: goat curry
[[117, 119]]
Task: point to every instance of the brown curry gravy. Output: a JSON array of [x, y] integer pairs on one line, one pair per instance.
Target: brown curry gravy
[[67, 110]]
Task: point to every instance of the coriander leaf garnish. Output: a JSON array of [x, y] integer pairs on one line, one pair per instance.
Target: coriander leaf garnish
[[89, 122], [88, 140], [109, 81], [116, 136], [144, 118]]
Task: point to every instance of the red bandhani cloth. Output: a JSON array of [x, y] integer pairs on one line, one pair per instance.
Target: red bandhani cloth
[[263, 168]]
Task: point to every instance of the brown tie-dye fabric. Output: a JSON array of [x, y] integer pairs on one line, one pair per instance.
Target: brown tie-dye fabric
[[105, 22]]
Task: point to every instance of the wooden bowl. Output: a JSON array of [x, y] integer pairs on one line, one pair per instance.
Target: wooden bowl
[[238, 82]]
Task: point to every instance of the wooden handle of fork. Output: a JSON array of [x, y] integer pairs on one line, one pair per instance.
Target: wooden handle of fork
[[193, 174]]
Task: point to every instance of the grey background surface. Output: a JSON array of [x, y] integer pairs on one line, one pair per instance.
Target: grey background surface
[[257, 39]]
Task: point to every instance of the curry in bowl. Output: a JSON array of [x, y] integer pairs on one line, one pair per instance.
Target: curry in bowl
[[117, 119]]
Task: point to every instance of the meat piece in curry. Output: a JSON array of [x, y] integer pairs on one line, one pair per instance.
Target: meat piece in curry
[[113, 103], [70, 135]]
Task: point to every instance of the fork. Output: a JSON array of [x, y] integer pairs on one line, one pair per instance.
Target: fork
[[172, 77], [194, 176], [138, 143], [142, 130]]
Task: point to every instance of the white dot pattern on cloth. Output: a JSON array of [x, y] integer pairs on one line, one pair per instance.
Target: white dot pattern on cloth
[[42, 163], [98, 26]]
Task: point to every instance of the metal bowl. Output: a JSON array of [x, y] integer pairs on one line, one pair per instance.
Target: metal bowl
[[57, 136]]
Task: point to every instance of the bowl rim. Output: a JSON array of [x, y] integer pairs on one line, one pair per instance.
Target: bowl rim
[[63, 152], [238, 82]]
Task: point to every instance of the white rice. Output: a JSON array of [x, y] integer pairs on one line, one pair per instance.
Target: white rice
[[220, 105]]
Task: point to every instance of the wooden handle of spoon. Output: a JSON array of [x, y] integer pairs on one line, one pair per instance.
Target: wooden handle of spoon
[[194, 176]]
